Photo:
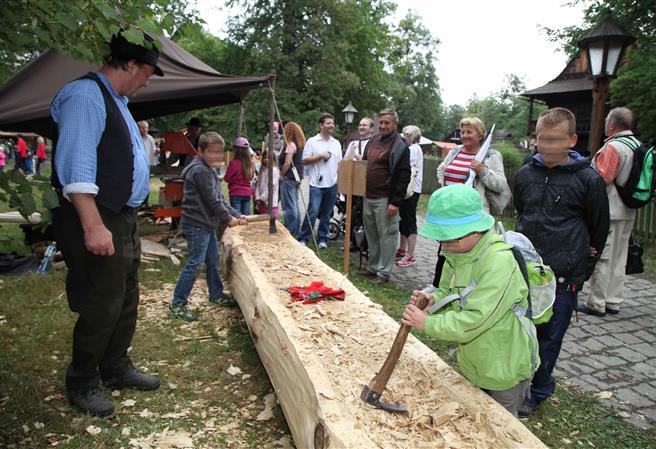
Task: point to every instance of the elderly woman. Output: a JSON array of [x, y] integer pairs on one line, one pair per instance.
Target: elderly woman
[[490, 177], [454, 169], [408, 209]]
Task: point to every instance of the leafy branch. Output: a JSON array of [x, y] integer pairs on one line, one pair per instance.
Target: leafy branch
[[28, 194]]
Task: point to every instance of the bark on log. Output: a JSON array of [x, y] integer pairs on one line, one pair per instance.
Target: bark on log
[[320, 356]]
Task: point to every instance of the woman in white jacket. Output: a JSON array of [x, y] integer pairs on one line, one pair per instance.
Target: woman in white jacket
[[455, 167], [490, 177]]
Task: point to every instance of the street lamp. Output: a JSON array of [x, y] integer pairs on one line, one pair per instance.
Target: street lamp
[[349, 114], [605, 44]]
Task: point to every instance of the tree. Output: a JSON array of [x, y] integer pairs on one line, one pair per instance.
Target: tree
[[633, 86], [414, 86], [505, 107], [80, 28], [329, 52]]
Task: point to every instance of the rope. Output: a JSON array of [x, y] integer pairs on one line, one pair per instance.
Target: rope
[[303, 199]]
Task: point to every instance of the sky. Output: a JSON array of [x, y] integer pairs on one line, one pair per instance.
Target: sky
[[481, 41]]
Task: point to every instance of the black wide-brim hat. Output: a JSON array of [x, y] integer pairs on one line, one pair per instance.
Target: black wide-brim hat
[[195, 121], [119, 46]]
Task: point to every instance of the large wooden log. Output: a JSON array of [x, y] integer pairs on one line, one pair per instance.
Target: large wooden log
[[320, 356]]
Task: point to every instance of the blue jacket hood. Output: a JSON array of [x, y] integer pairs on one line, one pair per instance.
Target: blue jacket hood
[[574, 157]]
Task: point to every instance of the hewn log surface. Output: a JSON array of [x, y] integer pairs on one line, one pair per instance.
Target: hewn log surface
[[319, 357]]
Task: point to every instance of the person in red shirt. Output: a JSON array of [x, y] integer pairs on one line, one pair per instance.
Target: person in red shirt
[[239, 176], [21, 154], [40, 153]]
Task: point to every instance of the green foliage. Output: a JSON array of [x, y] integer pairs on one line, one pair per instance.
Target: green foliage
[[414, 88], [505, 107], [80, 28], [329, 52], [633, 86], [511, 155], [28, 195], [451, 117]]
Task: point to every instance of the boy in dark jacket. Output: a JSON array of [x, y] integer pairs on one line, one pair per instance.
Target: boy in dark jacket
[[203, 211], [563, 209]]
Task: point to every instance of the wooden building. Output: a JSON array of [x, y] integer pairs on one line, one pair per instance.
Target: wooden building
[[571, 89]]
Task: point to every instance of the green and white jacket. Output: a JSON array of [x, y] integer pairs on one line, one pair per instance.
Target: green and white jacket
[[497, 345]]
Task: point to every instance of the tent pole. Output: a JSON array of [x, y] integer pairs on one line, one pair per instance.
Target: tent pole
[[241, 118], [272, 219]]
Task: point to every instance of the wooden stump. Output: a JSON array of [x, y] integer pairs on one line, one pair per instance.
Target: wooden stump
[[319, 357]]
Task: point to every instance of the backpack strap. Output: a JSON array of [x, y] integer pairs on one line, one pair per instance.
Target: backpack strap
[[530, 330], [462, 297], [628, 140]]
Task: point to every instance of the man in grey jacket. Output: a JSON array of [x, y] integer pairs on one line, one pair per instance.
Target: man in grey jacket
[[388, 175]]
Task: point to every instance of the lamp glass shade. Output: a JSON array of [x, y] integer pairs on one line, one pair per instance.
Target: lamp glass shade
[[614, 52], [348, 116], [596, 54]]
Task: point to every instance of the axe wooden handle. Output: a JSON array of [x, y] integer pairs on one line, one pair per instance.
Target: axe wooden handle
[[256, 218], [379, 382]]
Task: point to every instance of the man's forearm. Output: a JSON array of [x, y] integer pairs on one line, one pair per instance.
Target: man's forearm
[[85, 205], [312, 160], [97, 238]]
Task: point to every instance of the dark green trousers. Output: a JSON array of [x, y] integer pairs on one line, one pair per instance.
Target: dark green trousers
[[103, 290]]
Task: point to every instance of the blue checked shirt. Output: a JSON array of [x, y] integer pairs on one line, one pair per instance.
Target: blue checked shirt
[[79, 111]]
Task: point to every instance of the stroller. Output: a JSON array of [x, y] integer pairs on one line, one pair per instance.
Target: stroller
[[337, 225]]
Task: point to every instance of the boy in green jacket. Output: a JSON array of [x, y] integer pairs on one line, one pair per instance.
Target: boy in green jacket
[[482, 298]]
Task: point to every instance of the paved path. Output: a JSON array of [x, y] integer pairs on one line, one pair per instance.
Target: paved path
[[615, 354]]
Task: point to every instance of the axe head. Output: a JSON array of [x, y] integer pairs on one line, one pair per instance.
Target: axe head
[[372, 397]]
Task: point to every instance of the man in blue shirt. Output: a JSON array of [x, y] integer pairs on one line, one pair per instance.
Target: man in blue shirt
[[101, 174]]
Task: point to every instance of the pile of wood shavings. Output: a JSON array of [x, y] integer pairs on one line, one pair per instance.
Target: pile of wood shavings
[[352, 348]]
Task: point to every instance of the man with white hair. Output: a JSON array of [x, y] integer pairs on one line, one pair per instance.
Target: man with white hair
[[613, 162], [149, 142]]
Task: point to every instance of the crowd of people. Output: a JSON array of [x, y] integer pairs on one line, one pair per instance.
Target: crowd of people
[[479, 298], [28, 156]]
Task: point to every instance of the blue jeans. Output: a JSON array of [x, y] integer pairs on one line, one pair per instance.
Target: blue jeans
[[550, 339], [322, 202], [241, 203], [289, 199], [202, 247]]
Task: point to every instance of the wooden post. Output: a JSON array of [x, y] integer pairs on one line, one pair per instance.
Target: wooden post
[[347, 230], [272, 218], [530, 116], [599, 96]]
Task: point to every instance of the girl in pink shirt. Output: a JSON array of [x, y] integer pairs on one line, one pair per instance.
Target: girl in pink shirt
[[239, 176]]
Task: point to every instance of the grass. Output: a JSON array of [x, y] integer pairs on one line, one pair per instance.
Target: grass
[[569, 419], [218, 409]]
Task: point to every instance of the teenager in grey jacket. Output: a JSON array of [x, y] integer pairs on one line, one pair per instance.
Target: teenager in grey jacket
[[204, 210]]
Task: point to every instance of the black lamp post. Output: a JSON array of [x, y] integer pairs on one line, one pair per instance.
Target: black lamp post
[[349, 114], [605, 44]]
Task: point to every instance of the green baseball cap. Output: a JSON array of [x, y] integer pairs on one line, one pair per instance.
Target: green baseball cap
[[453, 212]]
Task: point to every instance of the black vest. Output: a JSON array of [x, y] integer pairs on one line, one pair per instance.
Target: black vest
[[115, 160], [297, 161]]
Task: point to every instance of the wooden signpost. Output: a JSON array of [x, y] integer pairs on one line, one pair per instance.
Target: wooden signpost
[[351, 180]]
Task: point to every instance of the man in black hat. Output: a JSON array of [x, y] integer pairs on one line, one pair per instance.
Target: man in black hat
[[101, 174]]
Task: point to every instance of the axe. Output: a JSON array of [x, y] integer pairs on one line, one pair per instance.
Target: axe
[[371, 393]]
